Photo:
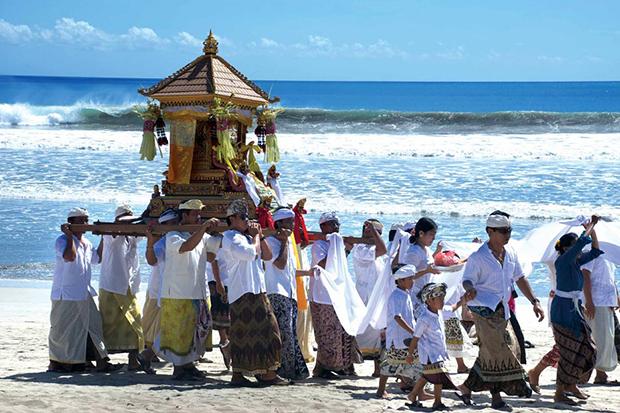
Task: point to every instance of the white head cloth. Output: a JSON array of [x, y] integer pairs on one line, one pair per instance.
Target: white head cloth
[[283, 213], [408, 226], [498, 221], [168, 216], [123, 209], [396, 226], [77, 212], [408, 270], [328, 216]]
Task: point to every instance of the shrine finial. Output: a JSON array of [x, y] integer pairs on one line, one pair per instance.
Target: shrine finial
[[210, 44]]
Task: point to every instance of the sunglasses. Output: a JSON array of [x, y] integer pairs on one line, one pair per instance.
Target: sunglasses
[[503, 230], [243, 217]]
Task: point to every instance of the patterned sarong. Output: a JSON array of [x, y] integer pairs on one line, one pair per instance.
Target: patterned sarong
[[255, 342], [497, 368], [455, 338], [336, 349], [394, 364], [292, 364], [185, 325], [577, 354], [437, 373], [552, 357], [122, 323], [220, 310], [150, 320]]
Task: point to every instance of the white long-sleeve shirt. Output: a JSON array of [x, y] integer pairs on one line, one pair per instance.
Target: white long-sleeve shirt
[[244, 266], [492, 280]]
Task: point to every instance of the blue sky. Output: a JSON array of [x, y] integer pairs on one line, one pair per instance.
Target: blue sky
[[318, 40]]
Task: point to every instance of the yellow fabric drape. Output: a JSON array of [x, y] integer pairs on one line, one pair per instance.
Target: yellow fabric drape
[[251, 158], [302, 300], [182, 135]]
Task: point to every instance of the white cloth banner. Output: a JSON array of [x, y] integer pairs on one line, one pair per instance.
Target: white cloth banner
[[538, 245], [339, 284], [353, 315]]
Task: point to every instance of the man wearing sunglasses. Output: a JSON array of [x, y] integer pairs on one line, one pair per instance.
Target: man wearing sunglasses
[[488, 281]]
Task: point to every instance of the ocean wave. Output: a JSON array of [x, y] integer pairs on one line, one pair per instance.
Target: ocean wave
[[83, 113], [309, 120], [601, 147]]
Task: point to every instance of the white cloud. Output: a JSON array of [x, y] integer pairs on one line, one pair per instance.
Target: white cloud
[[142, 36], [550, 59], [456, 53], [319, 41], [79, 32], [68, 30], [187, 39], [268, 43], [316, 45], [12, 33]]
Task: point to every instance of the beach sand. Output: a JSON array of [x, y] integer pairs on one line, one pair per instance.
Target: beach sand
[[25, 385]]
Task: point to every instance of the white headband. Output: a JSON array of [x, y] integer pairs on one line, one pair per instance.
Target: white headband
[[498, 221], [408, 226], [77, 212], [122, 210], [328, 216], [408, 270], [283, 213]]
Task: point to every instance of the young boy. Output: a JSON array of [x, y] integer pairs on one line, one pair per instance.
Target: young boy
[[400, 325], [430, 341]]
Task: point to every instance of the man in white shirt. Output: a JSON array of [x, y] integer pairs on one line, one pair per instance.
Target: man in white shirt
[[119, 283], [281, 283], [369, 260], [185, 321], [156, 258], [487, 280], [254, 333], [337, 350], [76, 334], [601, 300]]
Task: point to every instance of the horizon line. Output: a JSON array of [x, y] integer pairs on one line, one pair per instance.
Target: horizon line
[[324, 80]]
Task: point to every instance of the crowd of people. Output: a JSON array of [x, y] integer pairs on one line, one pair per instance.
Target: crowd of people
[[264, 299]]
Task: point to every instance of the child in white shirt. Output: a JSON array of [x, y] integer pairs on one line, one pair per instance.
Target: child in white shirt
[[430, 340], [400, 325]]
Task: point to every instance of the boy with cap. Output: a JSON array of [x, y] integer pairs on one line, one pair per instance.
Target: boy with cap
[[400, 327], [429, 339], [76, 334]]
